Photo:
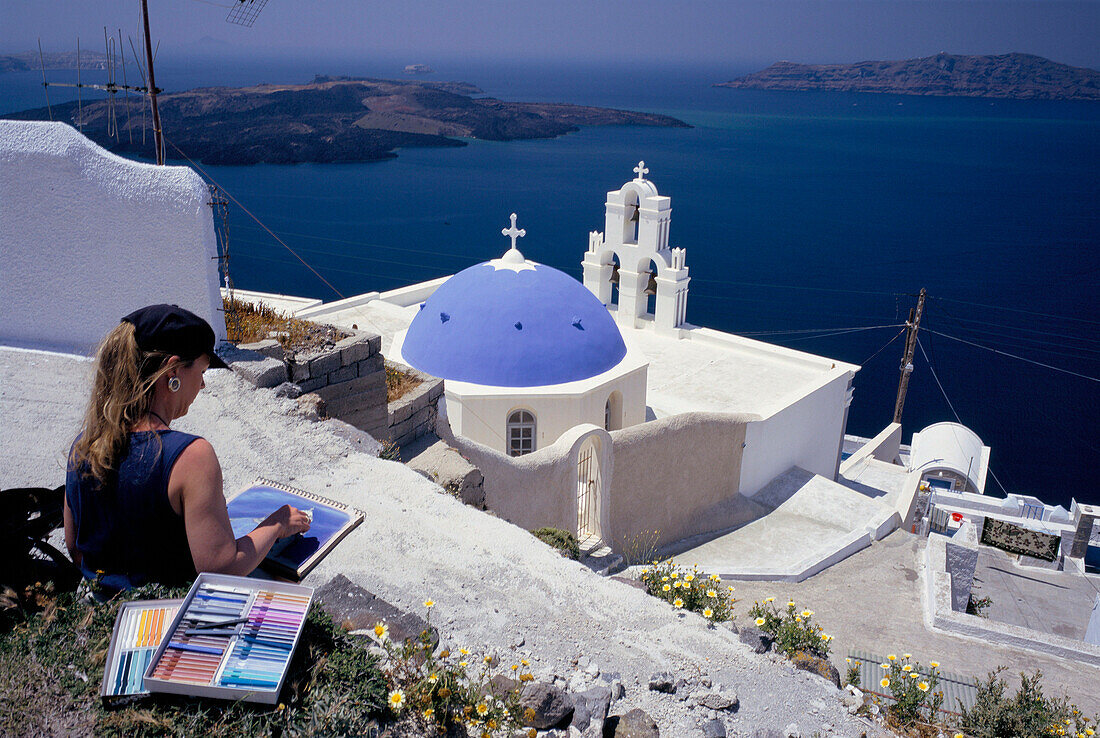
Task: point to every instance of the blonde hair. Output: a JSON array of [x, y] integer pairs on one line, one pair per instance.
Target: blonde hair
[[122, 394]]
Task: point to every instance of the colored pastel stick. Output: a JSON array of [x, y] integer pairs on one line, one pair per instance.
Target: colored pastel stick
[[196, 649]]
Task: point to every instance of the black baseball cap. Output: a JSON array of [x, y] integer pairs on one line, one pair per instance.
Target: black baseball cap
[[176, 331]]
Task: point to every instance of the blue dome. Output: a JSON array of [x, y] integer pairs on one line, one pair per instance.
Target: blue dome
[[512, 325]]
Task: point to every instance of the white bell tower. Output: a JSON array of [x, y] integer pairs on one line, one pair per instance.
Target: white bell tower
[[636, 226]]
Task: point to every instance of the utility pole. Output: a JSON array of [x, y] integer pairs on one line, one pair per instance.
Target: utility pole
[[913, 325], [158, 136]]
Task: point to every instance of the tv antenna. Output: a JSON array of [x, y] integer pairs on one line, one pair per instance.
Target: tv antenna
[[244, 12]]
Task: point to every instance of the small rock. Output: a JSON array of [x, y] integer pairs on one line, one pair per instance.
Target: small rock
[[716, 700], [679, 686], [503, 684], [634, 724], [662, 682], [549, 704], [816, 665], [755, 638], [311, 406], [617, 689], [288, 389], [792, 731], [714, 729], [590, 709], [592, 670]]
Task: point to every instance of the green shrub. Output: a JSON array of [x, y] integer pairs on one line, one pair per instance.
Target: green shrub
[[560, 539], [437, 693], [852, 677], [1028, 713], [793, 630], [691, 590], [915, 694]]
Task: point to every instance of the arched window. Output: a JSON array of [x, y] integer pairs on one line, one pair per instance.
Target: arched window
[[521, 433], [607, 415]]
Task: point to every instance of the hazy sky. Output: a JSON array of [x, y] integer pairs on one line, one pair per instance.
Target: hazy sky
[[756, 31]]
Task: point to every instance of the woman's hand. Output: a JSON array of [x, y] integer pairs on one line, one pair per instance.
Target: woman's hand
[[290, 520]]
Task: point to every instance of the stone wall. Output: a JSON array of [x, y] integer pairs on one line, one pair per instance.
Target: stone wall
[[350, 377], [413, 414]]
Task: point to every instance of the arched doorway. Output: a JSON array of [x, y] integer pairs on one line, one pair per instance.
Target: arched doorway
[[589, 493]]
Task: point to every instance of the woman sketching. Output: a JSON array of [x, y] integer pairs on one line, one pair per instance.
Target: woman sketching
[[143, 502]]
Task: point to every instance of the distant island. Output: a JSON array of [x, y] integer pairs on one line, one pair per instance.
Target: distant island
[[29, 61], [418, 69], [1017, 76], [332, 119]]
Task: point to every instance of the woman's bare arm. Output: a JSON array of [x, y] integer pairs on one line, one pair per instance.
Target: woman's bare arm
[[70, 534], [197, 479]]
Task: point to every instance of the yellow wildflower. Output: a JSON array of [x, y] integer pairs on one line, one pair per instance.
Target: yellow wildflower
[[807, 613], [382, 630], [711, 593], [885, 666], [707, 612], [759, 622], [433, 678], [428, 713], [689, 578], [907, 655], [891, 657], [769, 599], [482, 708], [934, 664], [907, 667], [429, 603], [665, 588], [397, 699], [677, 602], [885, 682]]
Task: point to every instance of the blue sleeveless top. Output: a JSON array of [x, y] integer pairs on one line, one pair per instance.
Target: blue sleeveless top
[[127, 527]]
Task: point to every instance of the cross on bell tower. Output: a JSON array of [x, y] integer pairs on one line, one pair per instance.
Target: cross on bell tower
[[641, 171]]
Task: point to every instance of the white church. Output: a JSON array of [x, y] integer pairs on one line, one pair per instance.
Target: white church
[[597, 407]]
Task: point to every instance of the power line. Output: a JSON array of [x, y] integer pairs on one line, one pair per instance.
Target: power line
[[885, 346], [814, 330], [1019, 310], [250, 215], [1016, 356]]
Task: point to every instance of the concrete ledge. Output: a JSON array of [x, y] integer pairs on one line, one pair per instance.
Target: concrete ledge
[[806, 568]]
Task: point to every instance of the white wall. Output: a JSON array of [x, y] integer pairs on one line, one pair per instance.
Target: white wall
[[807, 434], [86, 237], [483, 418]]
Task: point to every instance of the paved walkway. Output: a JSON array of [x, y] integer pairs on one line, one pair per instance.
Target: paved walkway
[[871, 602]]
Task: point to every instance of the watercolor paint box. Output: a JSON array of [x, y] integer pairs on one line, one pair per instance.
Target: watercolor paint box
[[232, 638], [139, 628]]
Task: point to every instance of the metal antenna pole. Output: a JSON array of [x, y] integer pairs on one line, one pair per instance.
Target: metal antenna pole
[[158, 136], [907, 361], [45, 84]]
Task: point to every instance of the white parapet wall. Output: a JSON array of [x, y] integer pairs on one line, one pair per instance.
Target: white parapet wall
[[86, 237]]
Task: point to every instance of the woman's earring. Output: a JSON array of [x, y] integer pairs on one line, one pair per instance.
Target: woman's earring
[[174, 384]]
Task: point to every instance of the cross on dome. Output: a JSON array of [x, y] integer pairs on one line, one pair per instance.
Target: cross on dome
[[513, 232], [512, 258], [641, 171]]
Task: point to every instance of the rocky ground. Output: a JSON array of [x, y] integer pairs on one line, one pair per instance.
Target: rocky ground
[[497, 589]]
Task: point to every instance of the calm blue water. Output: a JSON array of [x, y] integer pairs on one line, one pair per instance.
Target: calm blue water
[[798, 211]]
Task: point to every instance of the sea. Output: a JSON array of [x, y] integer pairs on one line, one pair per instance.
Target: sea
[[810, 220]]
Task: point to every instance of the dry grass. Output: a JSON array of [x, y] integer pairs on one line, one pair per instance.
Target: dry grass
[[246, 322], [398, 383]]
